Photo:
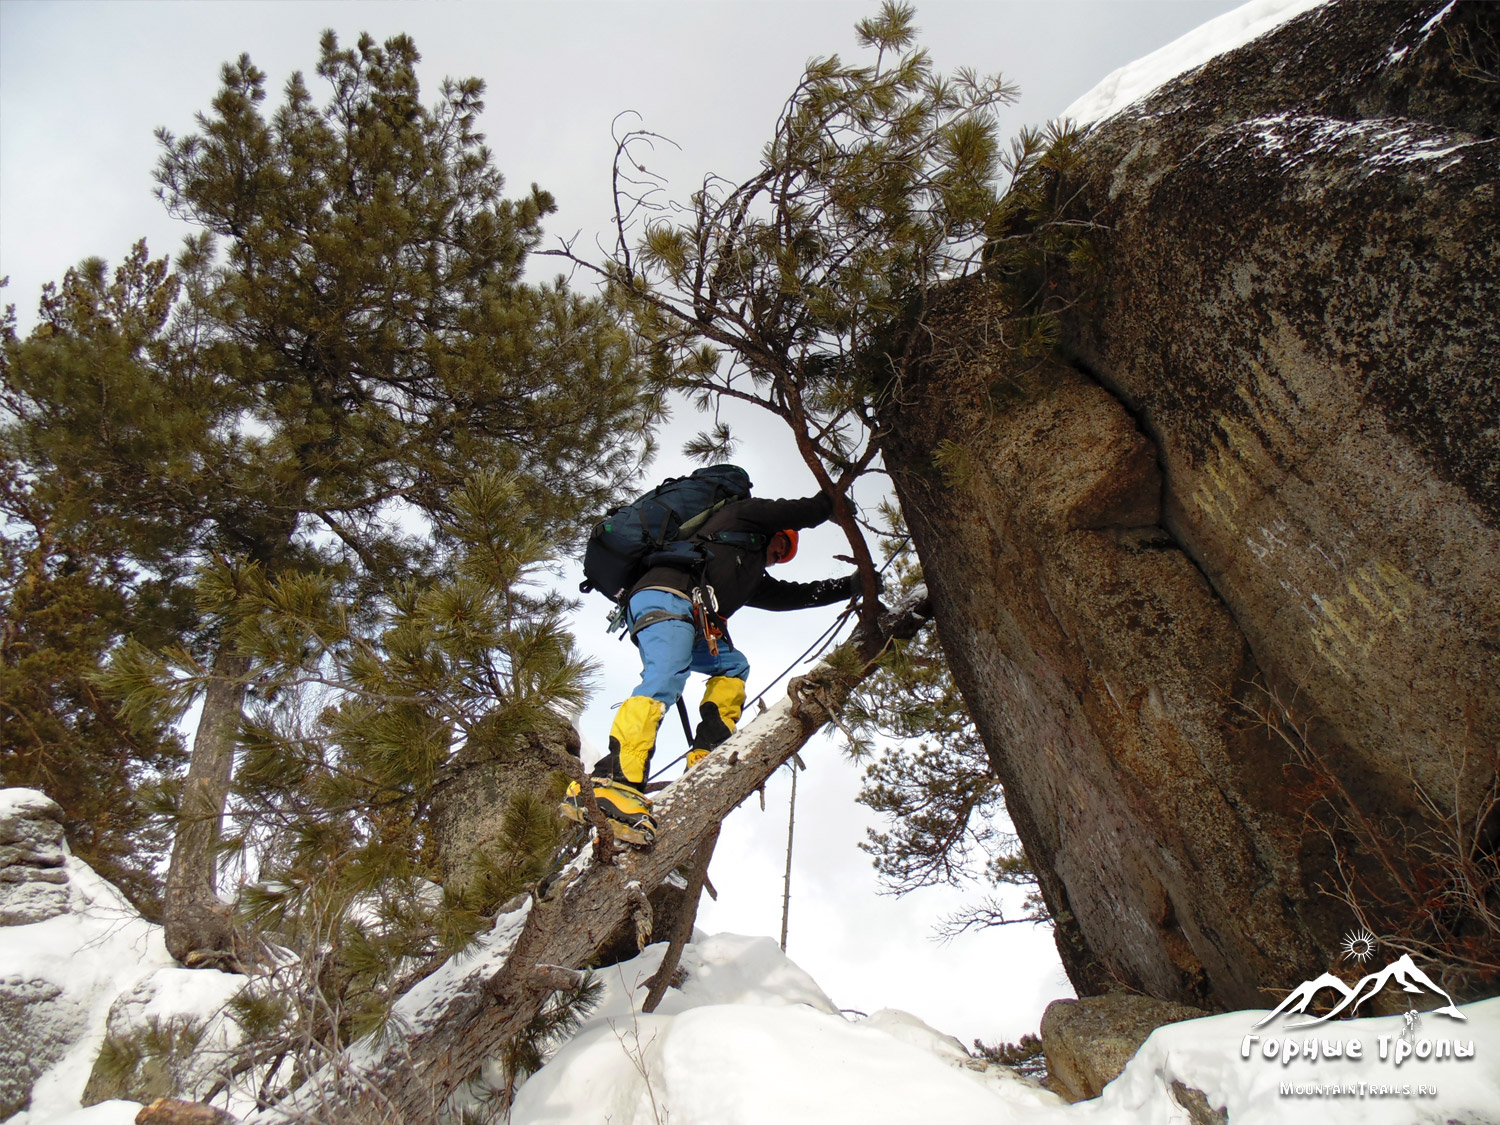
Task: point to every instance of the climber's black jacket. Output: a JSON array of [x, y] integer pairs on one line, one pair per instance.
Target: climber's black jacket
[[738, 573]]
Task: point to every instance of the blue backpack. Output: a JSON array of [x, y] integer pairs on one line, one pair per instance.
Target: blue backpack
[[656, 527]]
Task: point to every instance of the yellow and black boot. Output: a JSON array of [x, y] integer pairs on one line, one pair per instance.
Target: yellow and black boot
[[620, 778], [627, 809], [719, 714]]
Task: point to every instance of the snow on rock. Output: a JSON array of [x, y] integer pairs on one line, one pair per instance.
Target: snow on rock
[[189, 1006], [33, 877], [1376, 144], [1213, 1055], [1138, 79], [60, 976], [909, 1029]]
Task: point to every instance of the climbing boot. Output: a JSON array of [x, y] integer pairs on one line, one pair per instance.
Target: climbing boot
[[627, 809]]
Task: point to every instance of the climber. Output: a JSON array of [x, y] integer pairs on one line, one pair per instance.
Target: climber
[[676, 612]]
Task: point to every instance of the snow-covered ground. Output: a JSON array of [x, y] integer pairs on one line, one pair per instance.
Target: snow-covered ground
[[751, 1038]]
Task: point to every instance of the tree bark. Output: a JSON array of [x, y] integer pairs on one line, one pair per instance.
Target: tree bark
[[197, 923], [456, 1018]]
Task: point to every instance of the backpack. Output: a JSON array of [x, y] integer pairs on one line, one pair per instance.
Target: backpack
[[645, 530]]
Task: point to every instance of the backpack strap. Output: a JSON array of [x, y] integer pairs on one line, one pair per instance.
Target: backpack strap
[[743, 540], [684, 554]]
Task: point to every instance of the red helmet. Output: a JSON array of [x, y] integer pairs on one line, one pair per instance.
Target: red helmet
[[772, 557]]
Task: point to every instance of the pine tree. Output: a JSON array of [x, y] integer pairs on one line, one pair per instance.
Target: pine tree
[[358, 343], [369, 301], [88, 416], [801, 290]]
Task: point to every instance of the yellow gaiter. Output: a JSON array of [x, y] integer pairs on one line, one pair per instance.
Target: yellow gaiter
[[632, 736]]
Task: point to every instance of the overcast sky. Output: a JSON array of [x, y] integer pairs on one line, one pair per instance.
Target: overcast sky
[[83, 85]]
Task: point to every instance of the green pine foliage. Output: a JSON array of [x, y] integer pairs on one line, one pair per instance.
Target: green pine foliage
[[352, 721], [88, 416], [324, 454], [1027, 1057], [152, 1061]]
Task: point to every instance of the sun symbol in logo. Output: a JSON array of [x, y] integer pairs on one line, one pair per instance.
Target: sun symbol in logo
[[1359, 944]]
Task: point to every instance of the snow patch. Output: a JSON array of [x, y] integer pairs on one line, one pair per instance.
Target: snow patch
[[1383, 143], [1139, 79], [27, 803], [113, 1112], [1430, 25], [463, 972]]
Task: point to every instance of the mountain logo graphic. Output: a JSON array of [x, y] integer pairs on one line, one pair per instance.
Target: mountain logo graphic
[[1402, 970]]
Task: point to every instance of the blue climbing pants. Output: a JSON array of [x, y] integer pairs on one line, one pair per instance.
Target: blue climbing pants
[[670, 649]]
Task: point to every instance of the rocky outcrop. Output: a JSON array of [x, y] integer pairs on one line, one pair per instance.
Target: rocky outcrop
[[33, 881], [38, 1024], [1219, 584], [1088, 1042], [164, 1037]]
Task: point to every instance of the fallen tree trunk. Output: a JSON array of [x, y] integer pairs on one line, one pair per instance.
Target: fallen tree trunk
[[449, 1023]]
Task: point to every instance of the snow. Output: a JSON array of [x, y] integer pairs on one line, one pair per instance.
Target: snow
[[27, 803], [751, 1038], [1435, 20], [96, 953], [426, 1003], [113, 1112], [1380, 143], [1141, 78]]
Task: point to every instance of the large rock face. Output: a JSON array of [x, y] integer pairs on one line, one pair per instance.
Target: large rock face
[[1222, 590]]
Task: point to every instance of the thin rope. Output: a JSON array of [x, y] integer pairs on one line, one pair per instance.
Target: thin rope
[[816, 649], [825, 638], [791, 824]]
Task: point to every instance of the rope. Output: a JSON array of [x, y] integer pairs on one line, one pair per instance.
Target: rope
[[816, 649], [825, 639]]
